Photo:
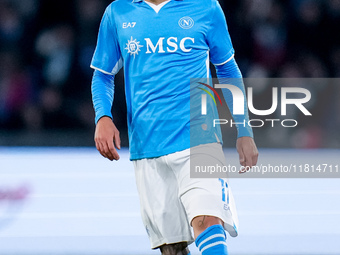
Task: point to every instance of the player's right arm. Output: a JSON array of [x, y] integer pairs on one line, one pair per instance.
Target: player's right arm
[[107, 62], [106, 134]]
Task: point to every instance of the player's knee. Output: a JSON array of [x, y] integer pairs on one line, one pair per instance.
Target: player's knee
[[175, 249], [201, 223]]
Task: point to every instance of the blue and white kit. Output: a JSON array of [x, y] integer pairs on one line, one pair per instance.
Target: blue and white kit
[[161, 47]]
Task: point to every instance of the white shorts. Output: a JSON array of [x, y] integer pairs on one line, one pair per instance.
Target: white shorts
[[170, 199]]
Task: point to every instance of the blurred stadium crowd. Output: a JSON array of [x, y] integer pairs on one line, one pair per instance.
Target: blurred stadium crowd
[[46, 48]]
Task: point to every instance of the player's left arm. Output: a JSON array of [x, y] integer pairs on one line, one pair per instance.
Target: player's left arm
[[246, 147], [222, 56]]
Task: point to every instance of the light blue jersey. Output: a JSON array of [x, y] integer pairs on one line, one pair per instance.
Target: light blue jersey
[[161, 48]]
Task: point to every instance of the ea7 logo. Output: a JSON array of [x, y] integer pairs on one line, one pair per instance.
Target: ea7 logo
[[129, 24]]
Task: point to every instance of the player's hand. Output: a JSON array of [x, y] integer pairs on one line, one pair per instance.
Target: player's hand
[[248, 153], [107, 138]]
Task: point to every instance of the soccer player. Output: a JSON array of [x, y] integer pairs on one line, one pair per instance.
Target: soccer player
[[162, 44]]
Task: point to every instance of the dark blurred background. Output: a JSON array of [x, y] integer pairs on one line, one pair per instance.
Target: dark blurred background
[[46, 48]]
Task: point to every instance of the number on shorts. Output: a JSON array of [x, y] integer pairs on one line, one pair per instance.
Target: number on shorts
[[224, 187]]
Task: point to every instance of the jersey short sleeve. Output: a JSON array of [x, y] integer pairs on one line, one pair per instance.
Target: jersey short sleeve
[[218, 38], [107, 56]]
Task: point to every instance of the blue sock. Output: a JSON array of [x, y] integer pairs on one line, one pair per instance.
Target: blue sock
[[212, 241]]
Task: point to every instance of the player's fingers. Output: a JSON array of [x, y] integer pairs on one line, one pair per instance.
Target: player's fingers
[[255, 158], [251, 157], [97, 146], [242, 158], [117, 139], [100, 148], [108, 150], [249, 160], [246, 166], [113, 152]]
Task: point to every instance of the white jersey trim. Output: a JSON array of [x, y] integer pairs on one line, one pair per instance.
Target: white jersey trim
[[118, 66], [96, 68], [226, 61], [114, 71], [207, 63]]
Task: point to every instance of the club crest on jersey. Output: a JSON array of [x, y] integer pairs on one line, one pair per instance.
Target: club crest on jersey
[[186, 22], [133, 47]]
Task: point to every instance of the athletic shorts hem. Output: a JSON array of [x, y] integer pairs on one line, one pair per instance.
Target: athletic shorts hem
[[176, 239]]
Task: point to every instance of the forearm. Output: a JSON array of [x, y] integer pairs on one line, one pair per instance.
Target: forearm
[[230, 73], [102, 94]]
